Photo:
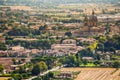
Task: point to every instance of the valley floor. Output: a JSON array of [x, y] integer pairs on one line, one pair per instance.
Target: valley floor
[[95, 73]]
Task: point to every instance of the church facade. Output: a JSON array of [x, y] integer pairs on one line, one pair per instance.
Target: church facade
[[91, 21], [90, 27]]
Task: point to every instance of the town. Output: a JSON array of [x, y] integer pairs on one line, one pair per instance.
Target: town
[[60, 42]]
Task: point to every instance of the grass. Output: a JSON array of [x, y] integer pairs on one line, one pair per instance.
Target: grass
[[56, 73], [89, 65], [76, 73]]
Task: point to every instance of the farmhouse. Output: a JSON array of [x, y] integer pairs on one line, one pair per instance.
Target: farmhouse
[[88, 58], [117, 52], [2, 39], [69, 41], [17, 48], [88, 40], [65, 75]]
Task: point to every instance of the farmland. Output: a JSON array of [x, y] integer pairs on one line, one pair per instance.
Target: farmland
[[95, 73], [4, 78]]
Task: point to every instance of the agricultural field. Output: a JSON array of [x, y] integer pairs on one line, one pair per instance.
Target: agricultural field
[[4, 78], [87, 8], [26, 8], [95, 73]]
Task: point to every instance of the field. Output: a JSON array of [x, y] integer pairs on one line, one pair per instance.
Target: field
[[20, 8], [28, 8], [95, 73], [4, 78]]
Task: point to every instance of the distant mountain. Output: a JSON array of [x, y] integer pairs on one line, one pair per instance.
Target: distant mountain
[[38, 2]]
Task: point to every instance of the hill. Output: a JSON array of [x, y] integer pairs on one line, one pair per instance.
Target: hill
[[40, 2]]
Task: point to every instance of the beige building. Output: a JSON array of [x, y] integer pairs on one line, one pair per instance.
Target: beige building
[[69, 41], [91, 20], [90, 27], [2, 39]]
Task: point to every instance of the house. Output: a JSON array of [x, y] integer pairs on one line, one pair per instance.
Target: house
[[65, 75], [107, 57], [88, 58], [55, 53], [36, 51], [69, 41], [67, 47], [17, 48], [63, 47], [106, 63], [117, 52], [16, 67], [2, 39], [88, 40]]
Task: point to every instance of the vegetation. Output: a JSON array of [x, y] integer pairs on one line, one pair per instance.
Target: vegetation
[[39, 68], [3, 46], [1, 68], [50, 23]]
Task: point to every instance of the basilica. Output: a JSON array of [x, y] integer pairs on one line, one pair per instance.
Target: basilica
[[90, 27], [91, 21]]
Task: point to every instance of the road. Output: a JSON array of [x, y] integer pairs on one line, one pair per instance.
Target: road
[[42, 74]]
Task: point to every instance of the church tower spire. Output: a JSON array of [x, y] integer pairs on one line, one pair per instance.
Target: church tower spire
[[93, 13]]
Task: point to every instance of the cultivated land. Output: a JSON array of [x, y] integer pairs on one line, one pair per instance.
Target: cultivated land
[[4, 78], [28, 8], [95, 73]]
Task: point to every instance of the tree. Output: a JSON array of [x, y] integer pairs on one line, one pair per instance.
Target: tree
[[50, 74], [85, 53], [96, 62], [43, 28], [17, 76], [85, 62], [78, 60], [116, 64], [54, 28], [49, 62], [39, 67], [43, 66], [100, 47], [14, 61], [21, 69], [2, 46], [112, 49], [71, 61], [36, 70], [69, 34], [1, 68]]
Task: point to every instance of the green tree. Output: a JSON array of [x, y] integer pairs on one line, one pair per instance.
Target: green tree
[[14, 61], [85, 62], [22, 69], [116, 64], [39, 67], [1, 68], [3, 46], [100, 47], [36, 70], [69, 34], [17, 76], [50, 74], [71, 61], [96, 62], [43, 66]]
